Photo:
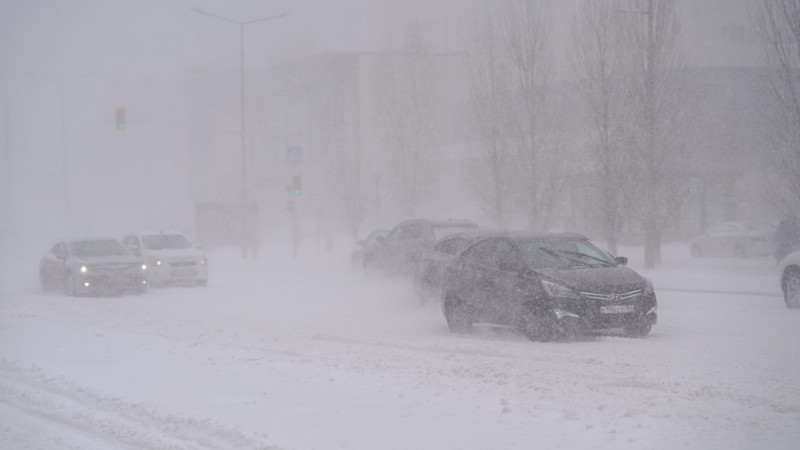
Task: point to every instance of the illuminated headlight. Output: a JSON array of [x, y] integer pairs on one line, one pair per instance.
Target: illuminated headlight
[[84, 269], [202, 261], [560, 314], [144, 266], [154, 262], [558, 291]]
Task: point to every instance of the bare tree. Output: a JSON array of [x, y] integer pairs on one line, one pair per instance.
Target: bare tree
[[778, 23], [410, 118], [600, 61], [335, 126], [658, 154], [490, 177], [526, 27]]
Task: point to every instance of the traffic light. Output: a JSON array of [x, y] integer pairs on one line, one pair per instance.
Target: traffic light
[[297, 184], [120, 118]]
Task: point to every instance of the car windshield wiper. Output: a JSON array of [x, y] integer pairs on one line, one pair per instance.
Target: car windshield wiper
[[604, 262], [561, 254]]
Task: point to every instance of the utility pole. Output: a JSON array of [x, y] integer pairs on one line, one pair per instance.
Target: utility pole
[[241, 71]]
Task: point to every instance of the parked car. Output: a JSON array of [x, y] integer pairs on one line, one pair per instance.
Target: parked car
[[739, 239], [548, 286], [400, 252], [790, 279], [429, 273], [363, 246], [172, 258], [92, 266]]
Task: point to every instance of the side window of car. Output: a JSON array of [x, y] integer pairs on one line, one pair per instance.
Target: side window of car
[[475, 253], [507, 257], [449, 246], [485, 254]]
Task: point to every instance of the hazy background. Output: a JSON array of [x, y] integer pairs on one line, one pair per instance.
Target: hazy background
[[176, 73]]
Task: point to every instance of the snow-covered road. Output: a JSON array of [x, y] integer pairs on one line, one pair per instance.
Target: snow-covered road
[[309, 354]]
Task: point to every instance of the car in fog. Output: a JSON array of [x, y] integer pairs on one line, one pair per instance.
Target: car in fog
[[400, 252], [363, 246], [549, 286], [790, 279], [92, 266], [431, 269], [171, 257], [738, 239]]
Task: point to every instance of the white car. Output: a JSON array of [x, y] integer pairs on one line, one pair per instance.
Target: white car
[[790, 279], [171, 258], [739, 239]]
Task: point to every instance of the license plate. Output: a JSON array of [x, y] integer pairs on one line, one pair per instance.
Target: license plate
[[616, 309]]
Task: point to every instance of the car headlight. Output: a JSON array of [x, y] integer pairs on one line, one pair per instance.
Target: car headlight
[[84, 269], [558, 291], [144, 266]]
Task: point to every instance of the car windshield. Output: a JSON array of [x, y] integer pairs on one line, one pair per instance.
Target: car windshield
[[107, 247], [162, 241], [565, 254]]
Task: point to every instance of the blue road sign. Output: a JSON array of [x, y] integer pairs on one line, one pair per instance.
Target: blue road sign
[[294, 155]]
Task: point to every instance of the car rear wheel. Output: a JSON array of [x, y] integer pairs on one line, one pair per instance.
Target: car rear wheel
[[459, 319], [791, 292]]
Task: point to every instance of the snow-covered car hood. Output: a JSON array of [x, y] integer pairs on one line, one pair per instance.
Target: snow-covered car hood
[[595, 278], [107, 260], [176, 253]]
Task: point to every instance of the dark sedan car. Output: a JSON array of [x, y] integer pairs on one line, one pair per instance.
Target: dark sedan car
[[548, 286], [400, 252], [92, 266]]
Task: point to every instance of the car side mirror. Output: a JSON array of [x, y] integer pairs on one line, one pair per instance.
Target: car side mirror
[[621, 260]]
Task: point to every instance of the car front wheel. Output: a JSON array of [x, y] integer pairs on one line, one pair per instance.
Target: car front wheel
[[791, 292]]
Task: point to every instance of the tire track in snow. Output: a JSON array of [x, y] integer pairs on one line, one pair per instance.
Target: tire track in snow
[[111, 421]]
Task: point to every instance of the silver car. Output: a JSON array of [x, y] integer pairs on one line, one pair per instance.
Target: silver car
[[171, 258], [92, 266], [738, 239]]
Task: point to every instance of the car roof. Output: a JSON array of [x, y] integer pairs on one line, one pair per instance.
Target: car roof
[[442, 223], [522, 235], [157, 233]]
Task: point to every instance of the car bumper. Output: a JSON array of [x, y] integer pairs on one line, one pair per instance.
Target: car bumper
[[177, 274], [597, 316]]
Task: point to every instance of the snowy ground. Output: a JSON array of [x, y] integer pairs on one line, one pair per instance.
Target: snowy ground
[[308, 354]]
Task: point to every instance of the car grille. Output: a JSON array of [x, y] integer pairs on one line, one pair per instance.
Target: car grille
[[614, 297], [113, 269]]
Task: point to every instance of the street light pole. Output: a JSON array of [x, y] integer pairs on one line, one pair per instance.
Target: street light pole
[[242, 116]]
